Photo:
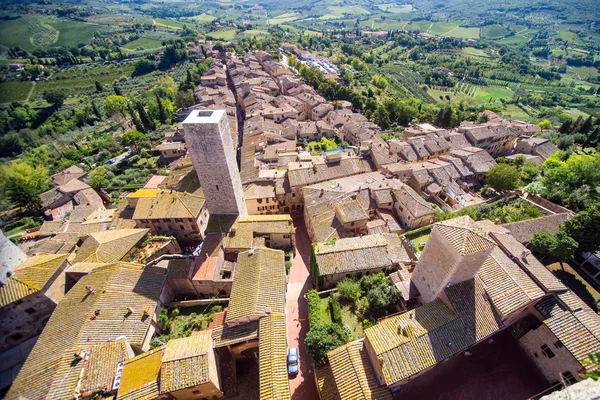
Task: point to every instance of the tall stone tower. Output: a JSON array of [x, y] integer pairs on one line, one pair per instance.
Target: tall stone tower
[[209, 141], [454, 253]]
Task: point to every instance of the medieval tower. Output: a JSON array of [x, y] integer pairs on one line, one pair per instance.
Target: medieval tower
[[209, 141], [454, 253]]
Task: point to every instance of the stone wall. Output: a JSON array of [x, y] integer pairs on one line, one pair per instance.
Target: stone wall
[[551, 368]]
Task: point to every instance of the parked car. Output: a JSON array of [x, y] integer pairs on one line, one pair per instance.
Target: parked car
[[293, 362]]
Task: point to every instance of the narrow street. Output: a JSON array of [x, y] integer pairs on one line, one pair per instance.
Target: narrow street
[[302, 386]]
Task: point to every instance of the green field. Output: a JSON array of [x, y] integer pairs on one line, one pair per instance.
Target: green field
[[30, 32], [14, 91], [14, 33], [77, 83], [583, 72], [513, 111], [203, 18], [340, 11], [471, 51], [494, 31], [168, 23], [421, 26], [483, 94], [255, 32], [465, 33], [569, 37], [396, 8], [226, 34], [441, 28], [283, 18], [518, 40], [143, 43]]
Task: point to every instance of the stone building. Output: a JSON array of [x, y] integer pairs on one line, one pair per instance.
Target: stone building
[[208, 139], [454, 253], [253, 231], [11, 256], [173, 213]]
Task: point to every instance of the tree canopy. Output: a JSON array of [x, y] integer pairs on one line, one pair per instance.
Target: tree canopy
[[503, 177]]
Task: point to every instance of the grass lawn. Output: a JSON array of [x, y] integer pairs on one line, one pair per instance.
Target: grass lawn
[[420, 240], [143, 44], [484, 94], [465, 33], [494, 31], [453, 96], [348, 318], [14, 91], [513, 111], [226, 34]]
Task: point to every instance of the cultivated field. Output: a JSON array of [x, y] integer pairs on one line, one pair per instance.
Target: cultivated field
[[14, 91]]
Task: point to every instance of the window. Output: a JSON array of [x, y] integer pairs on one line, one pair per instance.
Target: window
[[558, 344], [267, 201], [30, 310], [568, 378], [170, 227], [181, 227], [178, 220], [217, 187], [547, 351]]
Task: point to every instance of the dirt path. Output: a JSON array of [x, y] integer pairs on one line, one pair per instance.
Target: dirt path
[[30, 92], [302, 386]]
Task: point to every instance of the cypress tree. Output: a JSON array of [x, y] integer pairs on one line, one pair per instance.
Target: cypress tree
[[136, 119], [148, 123], [162, 112]]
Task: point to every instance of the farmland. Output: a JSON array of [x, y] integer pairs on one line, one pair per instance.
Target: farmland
[[494, 31], [143, 44], [14, 91]]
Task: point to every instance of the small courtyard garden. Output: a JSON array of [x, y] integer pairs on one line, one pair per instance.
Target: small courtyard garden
[[181, 322]]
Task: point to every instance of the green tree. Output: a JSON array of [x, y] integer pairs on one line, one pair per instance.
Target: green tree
[[583, 228], [545, 125], [503, 177], [592, 367], [55, 97], [349, 289], [99, 87], [564, 248], [133, 139], [143, 66], [543, 242], [114, 105], [148, 122], [323, 338], [22, 184]]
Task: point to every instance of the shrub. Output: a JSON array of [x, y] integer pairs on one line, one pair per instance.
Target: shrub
[[324, 338], [314, 308], [349, 289], [334, 310]]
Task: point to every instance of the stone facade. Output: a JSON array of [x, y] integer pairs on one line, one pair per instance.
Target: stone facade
[[551, 357], [441, 265], [209, 142]]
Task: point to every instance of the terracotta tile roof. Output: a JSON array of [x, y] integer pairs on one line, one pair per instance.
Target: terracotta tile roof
[[259, 284], [353, 254], [230, 335], [109, 246], [179, 269], [140, 379], [524, 231], [274, 382], [168, 205], [66, 175], [579, 332], [247, 227], [186, 362], [415, 204], [542, 275], [353, 375], [48, 372], [140, 193], [102, 365], [350, 211], [308, 173], [508, 286], [30, 277], [464, 235], [74, 185], [418, 339], [326, 383]]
